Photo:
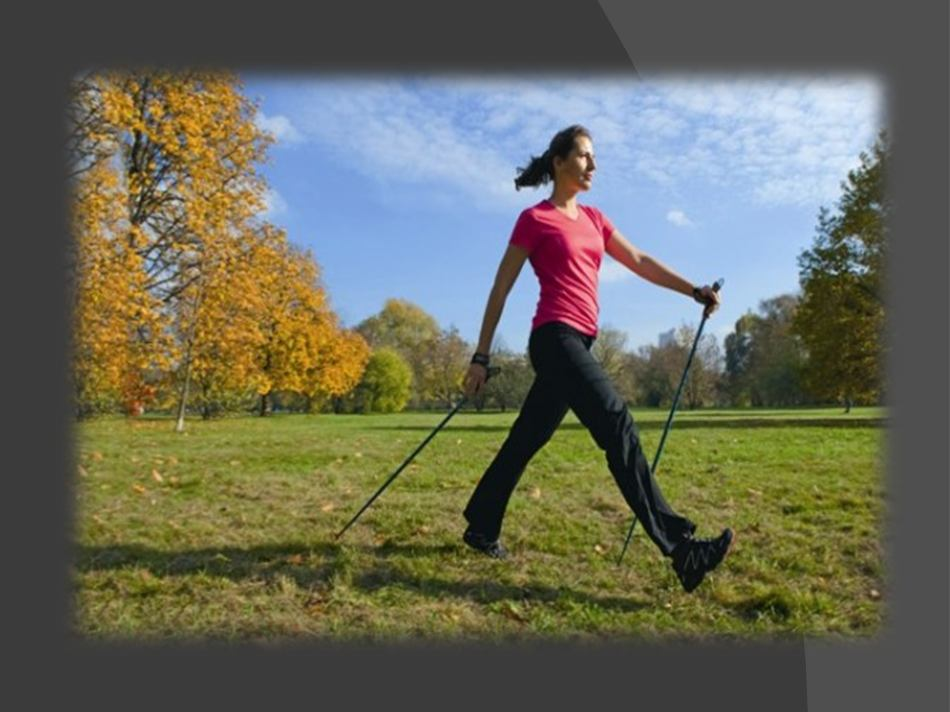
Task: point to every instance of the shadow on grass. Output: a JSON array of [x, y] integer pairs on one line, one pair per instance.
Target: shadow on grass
[[707, 422], [485, 592], [233, 563], [294, 561]]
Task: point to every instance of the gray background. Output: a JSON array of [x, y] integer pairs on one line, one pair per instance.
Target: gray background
[[904, 44]]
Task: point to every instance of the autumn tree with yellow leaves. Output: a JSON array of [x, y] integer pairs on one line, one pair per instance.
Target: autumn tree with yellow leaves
[[120, 336], [174, 273], [304, 349], [226, 332], [336, 367]]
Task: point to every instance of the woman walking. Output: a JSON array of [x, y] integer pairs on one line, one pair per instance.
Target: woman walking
[[565, 242]]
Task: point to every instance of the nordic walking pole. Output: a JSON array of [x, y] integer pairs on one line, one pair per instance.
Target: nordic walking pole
[[491, 372], [669, 420]]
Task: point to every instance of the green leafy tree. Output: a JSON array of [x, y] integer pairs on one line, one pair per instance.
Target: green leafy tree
[[410, 330], [738, 358], [765, 358], [386, 383], [443, 364], [508, 389], [654, 372], [658, 374], [841, 315]]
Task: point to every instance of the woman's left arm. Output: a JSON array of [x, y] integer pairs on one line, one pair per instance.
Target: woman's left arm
[[651, 269]]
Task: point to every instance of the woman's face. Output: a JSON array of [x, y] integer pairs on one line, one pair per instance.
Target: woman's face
[[579, 166]]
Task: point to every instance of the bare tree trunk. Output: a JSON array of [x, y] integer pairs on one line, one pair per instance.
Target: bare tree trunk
[[180, 424], [263, 409]]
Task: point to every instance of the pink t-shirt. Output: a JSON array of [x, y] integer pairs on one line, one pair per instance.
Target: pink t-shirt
[[566, 256]]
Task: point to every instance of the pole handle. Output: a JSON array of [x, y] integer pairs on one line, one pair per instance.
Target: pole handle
[[716, 286]]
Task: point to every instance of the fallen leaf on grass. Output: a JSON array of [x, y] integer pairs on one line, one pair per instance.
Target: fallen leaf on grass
[[599, 549], [357, 454], [510, 610], [755, 492], [82, 471], [328, 507], [140, 489], [535, 493], [234, 463], [97, 456], [875, 594], [316, 604], [423, 530], [296, 559], [157, 476]]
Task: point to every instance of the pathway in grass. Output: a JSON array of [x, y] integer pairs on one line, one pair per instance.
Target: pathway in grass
[[228, 530]]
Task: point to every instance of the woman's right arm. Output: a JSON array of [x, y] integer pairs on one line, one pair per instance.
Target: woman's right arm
[[508, 271]]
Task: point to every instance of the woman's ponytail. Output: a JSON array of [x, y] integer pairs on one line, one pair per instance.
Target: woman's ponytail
[[540, 169]]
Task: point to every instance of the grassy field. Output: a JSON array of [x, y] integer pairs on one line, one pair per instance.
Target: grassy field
[[227, 531]]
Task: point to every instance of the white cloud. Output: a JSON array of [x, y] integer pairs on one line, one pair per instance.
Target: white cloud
[[678, 218], [280, 126], [775, 141], [274, 204]]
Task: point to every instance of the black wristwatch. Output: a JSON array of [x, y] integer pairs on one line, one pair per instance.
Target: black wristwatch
[[698, 295], [481, 359]]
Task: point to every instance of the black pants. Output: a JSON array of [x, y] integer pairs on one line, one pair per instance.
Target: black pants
[[568, 376]]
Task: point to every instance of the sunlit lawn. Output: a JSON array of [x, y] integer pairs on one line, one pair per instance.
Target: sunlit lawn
[[228, 530]]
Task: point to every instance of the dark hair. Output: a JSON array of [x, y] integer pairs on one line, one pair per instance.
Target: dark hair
[[540, 169]]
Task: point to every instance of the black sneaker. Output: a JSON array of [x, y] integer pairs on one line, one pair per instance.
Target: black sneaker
[[481, 543], [694, 558]]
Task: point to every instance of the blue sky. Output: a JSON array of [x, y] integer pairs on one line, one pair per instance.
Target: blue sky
[[402, 186]]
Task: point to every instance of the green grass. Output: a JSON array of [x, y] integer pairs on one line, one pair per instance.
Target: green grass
[[227, 531]]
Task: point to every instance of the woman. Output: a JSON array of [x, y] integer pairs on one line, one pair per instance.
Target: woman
[[565, 242]]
